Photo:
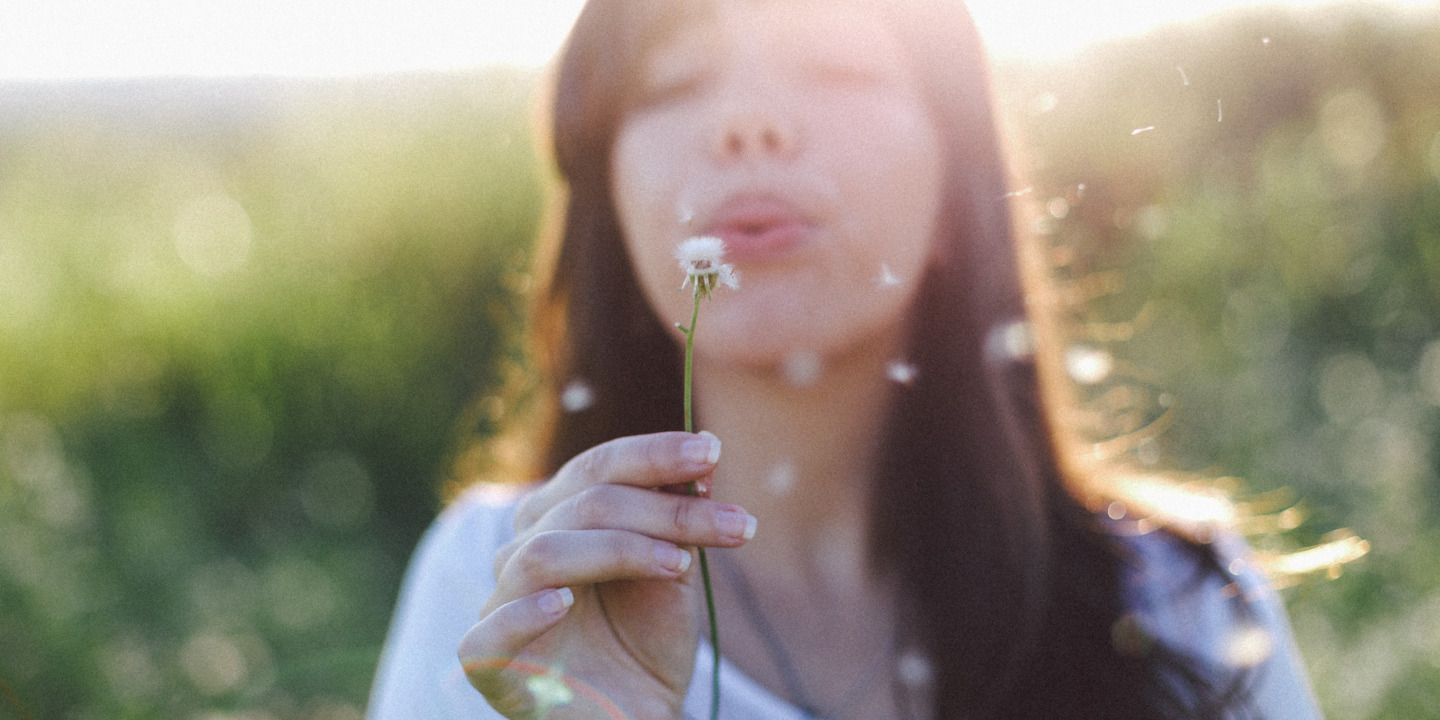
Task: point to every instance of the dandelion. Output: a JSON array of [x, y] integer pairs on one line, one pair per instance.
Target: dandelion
[[701, 260]]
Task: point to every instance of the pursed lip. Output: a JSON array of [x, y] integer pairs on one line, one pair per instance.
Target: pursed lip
[[757, 228]]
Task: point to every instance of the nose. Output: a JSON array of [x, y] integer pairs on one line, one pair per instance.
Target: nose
[[755, 128]]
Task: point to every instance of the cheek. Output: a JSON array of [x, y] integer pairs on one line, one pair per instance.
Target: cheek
[[895, 184], [645, 208]]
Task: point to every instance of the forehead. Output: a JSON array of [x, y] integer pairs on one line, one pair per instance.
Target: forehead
[[716, 26]]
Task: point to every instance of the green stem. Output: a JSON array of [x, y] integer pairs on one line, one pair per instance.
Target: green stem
[[695, 490], [690, 365]]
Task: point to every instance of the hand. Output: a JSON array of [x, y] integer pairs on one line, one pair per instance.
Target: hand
[[594, 587]]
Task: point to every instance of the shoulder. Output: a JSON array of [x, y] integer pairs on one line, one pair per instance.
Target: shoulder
[[449, 578], [1212, 604]]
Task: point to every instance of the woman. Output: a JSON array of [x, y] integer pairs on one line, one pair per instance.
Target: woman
[[898, 529]]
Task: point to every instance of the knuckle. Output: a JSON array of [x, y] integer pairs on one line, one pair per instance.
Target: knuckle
[[682, 516], [593, 462], [657, 454], [593, 508], [503, 555], [536, 556], [527, 510]]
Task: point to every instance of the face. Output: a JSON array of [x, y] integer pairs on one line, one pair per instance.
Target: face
[[795, 132]]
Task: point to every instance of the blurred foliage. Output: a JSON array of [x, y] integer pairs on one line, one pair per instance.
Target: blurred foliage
[[243, 324], [1245, 216], [239, 322]]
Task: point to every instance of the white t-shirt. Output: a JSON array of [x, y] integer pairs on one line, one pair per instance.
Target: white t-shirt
[[451, 576]]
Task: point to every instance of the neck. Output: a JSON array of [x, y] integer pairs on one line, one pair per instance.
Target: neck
[[799, 455]]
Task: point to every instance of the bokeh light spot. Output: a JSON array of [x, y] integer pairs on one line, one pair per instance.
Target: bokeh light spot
[[213, 663], [336, 491], [1350, 387], [1427, 373], [1352, 128], [1088, 365], [212, 235]]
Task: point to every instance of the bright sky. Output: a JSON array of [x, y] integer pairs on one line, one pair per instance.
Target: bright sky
[[42, 39]]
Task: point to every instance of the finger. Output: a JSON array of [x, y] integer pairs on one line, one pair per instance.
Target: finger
[[488, 650], [680, 519], [653, 460], [558, 558]]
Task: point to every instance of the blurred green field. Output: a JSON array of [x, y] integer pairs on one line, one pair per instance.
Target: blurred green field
[[246, 324]]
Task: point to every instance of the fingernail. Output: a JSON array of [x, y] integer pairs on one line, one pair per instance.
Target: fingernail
[[558, 601], [672, 558], [714, 455], [736, 524], [703, 450]]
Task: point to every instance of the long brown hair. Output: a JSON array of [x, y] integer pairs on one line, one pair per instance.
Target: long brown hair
[[1015, 588]]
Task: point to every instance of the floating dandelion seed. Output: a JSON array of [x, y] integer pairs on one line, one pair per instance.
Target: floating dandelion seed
[[887, 277], [802, 368], [1219, 111], [1248, 647], [549, 691], [914, 670], [1183, 78], [577, 396], [900, 372], [1147, 453], [1145, 129], [781, 478], [1087, 365], [1265, 41], [1011, 341], [1020, 193]]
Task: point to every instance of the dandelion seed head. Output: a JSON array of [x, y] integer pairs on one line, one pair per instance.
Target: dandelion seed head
[[802, 368], [703, 251], [900, 372], [701, 260], [577, 396]]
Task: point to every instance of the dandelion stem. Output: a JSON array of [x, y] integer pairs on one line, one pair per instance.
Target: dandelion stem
[[695, 490]]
